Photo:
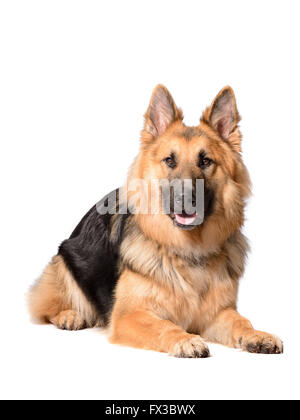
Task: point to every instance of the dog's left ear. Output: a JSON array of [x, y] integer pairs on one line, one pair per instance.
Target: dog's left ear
[[223, 115], [161, 113]]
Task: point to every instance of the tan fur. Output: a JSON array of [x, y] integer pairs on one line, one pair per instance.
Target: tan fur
[[231, 329], [56, 298]]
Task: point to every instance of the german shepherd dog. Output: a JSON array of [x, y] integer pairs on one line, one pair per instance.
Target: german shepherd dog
[[157, 280]]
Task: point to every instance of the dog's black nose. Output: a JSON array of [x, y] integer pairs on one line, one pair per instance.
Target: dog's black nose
[[185, 202]]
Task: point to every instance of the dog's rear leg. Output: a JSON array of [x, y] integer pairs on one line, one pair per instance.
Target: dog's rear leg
[[68, 320], [57, 299]]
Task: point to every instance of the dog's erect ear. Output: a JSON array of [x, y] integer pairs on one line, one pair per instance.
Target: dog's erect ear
[[223, 115], [161, 113]]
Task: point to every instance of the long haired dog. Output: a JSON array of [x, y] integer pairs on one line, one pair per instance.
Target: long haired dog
[[158, 280]]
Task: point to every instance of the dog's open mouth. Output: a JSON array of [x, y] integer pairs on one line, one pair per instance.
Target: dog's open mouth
[[185, 219]]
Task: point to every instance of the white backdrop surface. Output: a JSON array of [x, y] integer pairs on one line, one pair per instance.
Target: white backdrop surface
[[75, 80]]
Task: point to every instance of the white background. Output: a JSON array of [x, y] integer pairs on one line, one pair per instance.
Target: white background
[[75, 80]]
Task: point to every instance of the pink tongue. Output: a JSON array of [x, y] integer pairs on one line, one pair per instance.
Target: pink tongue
[[185, 220]]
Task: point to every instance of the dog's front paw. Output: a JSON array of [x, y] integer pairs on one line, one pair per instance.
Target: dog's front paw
[[260, 342], [190, 347]]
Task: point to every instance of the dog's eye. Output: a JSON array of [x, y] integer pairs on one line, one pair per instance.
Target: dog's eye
[[205, 162], [170, 161]]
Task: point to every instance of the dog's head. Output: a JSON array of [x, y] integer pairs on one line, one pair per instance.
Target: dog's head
[[209, 152]]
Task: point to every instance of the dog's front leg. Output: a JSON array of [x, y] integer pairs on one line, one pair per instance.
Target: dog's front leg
[[231, 329], [135, 321], [142, 329]]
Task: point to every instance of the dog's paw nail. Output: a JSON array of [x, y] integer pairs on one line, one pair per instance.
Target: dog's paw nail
[[262, 343]]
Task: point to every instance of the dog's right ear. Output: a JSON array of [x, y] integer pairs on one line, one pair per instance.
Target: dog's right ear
[[161, 113]]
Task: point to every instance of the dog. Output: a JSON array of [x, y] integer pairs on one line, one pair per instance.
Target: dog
[[157, 280]]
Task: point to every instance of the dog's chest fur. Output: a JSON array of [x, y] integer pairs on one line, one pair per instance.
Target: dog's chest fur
[[187, 289]]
